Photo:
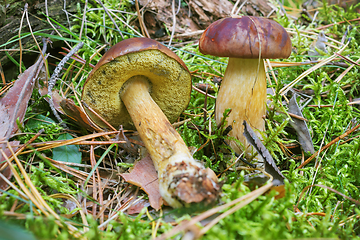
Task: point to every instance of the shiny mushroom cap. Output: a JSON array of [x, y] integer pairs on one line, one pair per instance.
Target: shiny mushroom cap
[[246, 37], [170, 80]]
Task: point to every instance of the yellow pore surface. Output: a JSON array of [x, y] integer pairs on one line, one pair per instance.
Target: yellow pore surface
[[170, 86]]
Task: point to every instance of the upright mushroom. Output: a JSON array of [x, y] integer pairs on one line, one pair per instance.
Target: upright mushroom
[[245, 41], [141, 84]]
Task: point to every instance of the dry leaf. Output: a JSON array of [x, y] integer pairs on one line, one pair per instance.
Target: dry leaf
[[145, 176], [318, 47], [138, 206], [55, 96], [4, 121], [9, 101], [270, 166], [7, 110], [74, 112], [300, 127]]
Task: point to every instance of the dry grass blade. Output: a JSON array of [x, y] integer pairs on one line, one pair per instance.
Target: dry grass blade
[[285, 89], [34, 194], [105, 206], [341, 76], [72, 141], [329, 188], [123, 209], [202, 92], [332, 24], [328, 145], [14, 187], [289, 64], [69, 197], [252, 195], [247, 199], [307, 33]]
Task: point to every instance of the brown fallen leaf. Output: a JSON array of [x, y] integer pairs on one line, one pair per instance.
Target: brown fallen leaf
[[75, 113], [55, 96], [13, 107], [145, 176], [69, 108], [9, 101], [300, 126], [138, 206], [270, 166]]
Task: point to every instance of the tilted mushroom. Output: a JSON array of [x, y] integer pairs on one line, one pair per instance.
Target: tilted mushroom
[[141, 84], [245, 41]]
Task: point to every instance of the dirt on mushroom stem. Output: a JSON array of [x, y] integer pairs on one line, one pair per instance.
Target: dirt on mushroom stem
[[243, 89]]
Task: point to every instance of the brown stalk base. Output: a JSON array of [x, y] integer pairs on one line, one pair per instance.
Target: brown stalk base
[[191, 188]]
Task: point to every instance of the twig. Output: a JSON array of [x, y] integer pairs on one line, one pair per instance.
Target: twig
[[141, 22], [285, 89], [347, 59], [202, 92], [332, 24], [328, 145], [54, 76], [2, 75], [329, 188]]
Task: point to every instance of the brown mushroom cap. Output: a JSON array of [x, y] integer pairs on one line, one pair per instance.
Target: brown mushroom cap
[[239, 38], [170, 80]]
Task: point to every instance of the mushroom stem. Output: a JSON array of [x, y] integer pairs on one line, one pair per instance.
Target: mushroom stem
[[243, 89], [182, 180]]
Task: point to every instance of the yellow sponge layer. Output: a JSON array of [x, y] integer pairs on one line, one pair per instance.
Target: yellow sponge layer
[[170, 86]]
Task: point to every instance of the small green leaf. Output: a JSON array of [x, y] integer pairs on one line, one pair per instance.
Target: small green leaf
[[68, 153], [39, 121]]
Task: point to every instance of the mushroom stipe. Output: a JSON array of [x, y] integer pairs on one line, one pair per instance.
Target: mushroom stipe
[[246, 41], [141, 83]]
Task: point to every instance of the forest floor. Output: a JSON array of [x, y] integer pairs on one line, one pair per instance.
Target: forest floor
[[64, 177]]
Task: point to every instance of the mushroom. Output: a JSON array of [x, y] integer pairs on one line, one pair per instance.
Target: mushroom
[[140, 84], [245, 41]]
